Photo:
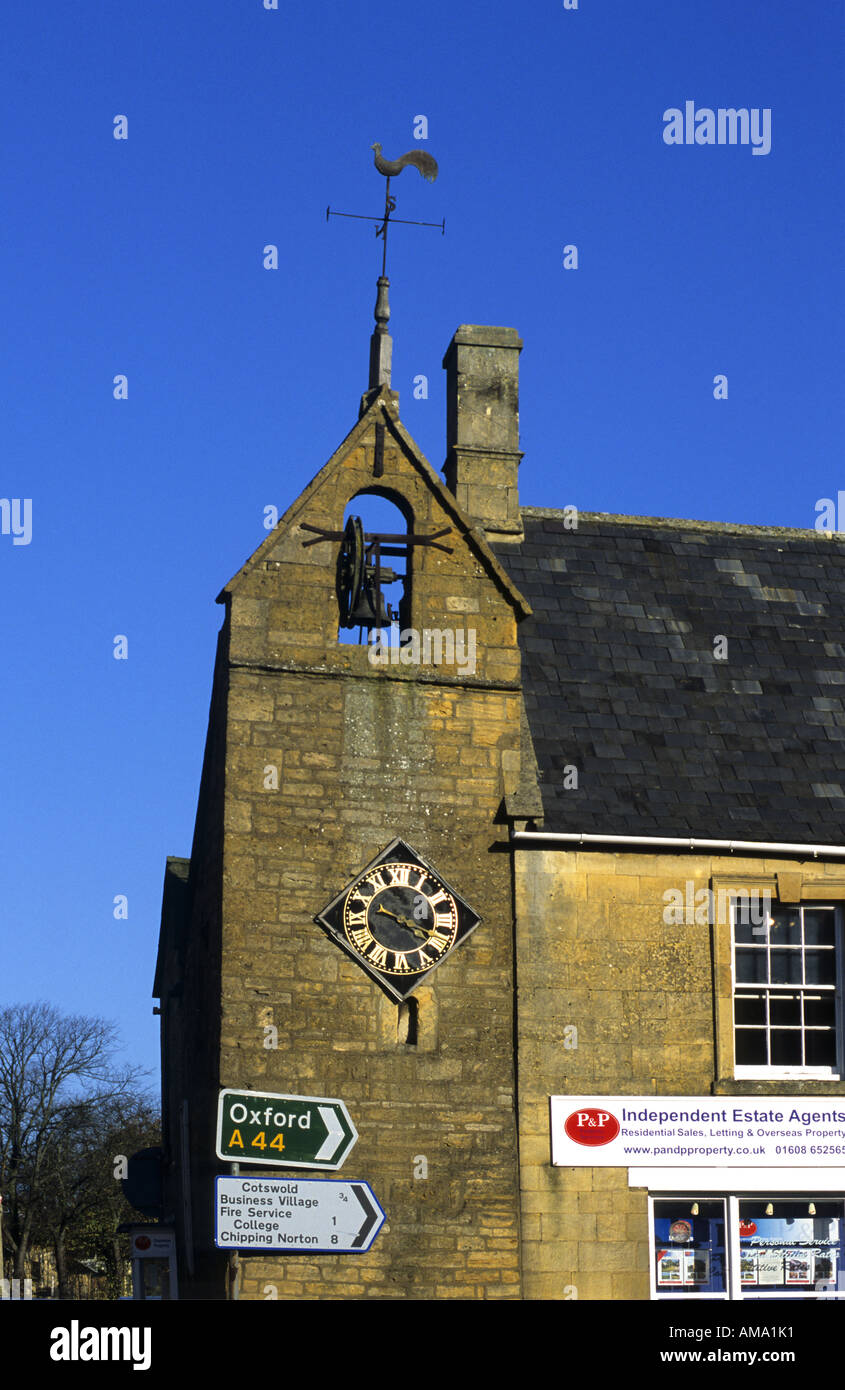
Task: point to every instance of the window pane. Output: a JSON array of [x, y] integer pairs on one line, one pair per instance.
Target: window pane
[[786, 1047], [689, 1246], [751, 965], [818, 926], [819, 1010], [821, 967], [787, 927], [790, 1247], [751, 919], [751, 1047], [786, 967], [750, 1008], [743, 928], [786, 1009], [820, 1049]]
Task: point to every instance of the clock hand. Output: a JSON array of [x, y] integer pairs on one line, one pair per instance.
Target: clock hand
[[404, 922]]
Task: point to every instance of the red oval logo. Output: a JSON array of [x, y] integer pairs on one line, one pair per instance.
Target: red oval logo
[[591, 1127], [142, 1242], [747, 1228]]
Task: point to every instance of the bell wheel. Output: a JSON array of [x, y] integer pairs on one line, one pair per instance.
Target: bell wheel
[[351, 568]]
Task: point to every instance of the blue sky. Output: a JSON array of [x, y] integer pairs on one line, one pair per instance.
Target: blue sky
[[144, 257]]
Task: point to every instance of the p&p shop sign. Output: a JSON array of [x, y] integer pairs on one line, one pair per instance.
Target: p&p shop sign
[[703, 1131]]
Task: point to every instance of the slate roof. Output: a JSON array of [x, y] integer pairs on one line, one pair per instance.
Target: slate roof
[[621, 680]]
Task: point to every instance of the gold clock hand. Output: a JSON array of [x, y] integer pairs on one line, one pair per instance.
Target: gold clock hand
[[404, 922]]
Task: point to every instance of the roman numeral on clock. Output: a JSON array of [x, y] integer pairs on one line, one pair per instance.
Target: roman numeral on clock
[[438, 941]]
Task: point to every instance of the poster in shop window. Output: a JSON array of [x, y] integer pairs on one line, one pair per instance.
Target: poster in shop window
[[683, 1268], [748, 1266], [670, 1267], [770, 1267], [799, 1267], [696, 1267]]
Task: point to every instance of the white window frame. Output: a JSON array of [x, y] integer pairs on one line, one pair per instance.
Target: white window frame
[[774, 1072]]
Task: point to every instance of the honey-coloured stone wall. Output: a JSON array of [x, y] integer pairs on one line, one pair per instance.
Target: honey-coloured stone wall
[[328, 758], [650, 1006]]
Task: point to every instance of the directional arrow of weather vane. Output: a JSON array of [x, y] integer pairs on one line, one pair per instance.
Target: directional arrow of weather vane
[[392, 168]]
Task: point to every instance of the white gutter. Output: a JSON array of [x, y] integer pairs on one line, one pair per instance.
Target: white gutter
[[680, 842]]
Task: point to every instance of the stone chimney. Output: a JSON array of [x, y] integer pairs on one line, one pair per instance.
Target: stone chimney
[[482, 426]]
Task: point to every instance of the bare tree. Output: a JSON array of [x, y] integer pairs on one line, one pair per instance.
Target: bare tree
[[82, 1202], [52, 1066]]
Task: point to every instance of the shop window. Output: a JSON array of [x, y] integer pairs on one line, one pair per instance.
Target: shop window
[[689, 1242], [790, 1246], [735, 1247], [787, 993]]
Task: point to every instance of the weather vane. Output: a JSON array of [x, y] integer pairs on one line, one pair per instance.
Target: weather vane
[[381, 344], [392, 168]]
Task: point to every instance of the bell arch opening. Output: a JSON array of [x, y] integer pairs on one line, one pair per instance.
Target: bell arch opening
[[374, 571]]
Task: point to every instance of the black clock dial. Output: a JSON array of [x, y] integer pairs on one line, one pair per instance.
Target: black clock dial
[[399, 919]]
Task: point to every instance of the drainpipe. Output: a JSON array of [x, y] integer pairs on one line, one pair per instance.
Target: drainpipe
[[688, 842]]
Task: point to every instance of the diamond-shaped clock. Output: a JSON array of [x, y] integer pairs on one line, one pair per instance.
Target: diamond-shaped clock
[[399, 919]]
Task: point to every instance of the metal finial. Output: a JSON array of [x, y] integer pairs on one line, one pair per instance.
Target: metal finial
[[381, 343]]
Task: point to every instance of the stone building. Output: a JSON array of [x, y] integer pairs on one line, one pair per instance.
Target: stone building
[[584, 721]]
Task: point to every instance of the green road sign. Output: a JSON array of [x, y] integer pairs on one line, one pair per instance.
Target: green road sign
[[283, 1131]]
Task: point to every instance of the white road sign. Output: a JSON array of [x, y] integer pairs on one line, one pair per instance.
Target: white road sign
[[296, 1216], [720, 1131]]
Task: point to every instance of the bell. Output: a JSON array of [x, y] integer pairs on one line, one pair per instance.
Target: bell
[[370, 609]]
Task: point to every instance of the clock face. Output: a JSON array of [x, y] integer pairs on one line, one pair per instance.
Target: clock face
[[399, 919]]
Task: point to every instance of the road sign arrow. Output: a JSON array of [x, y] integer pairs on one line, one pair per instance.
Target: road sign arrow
[[335, 1134], [371, 1216]]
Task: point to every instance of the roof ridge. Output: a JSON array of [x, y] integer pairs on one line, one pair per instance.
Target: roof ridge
[[742, 528]]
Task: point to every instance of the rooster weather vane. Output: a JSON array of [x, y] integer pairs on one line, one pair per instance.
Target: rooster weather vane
[[392, 168]]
